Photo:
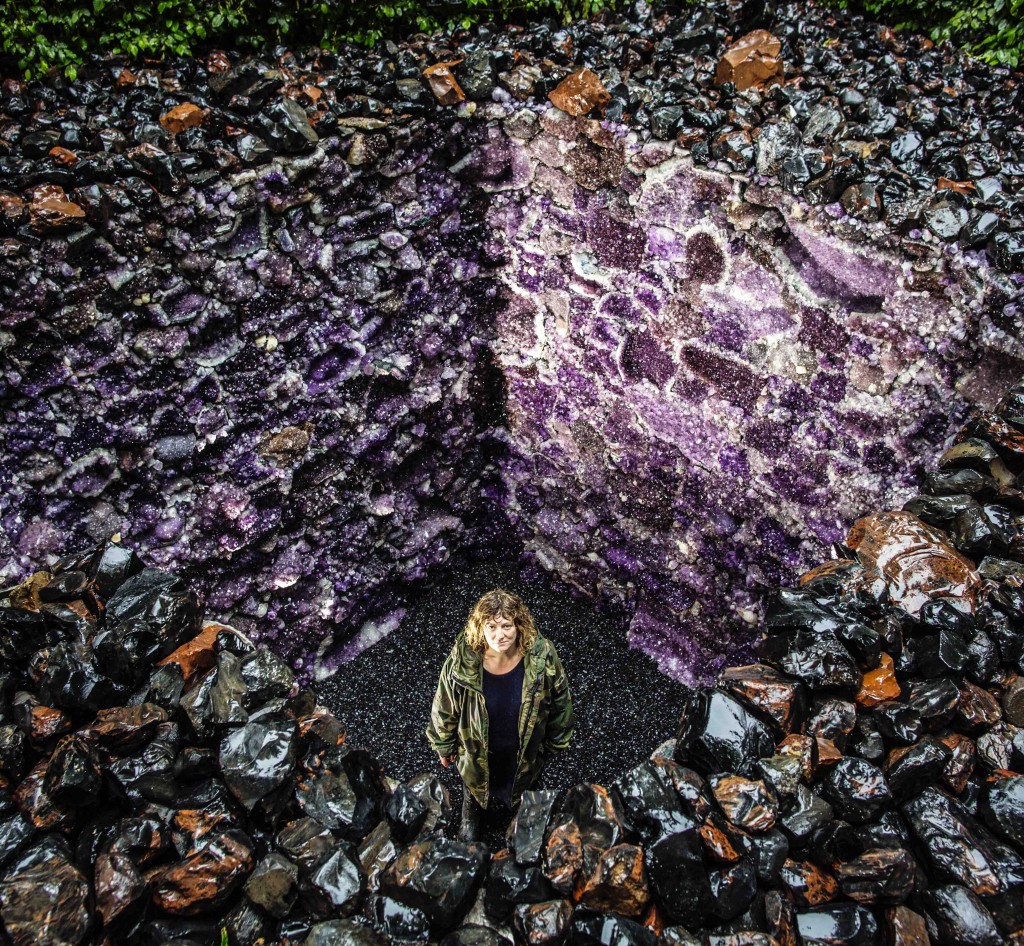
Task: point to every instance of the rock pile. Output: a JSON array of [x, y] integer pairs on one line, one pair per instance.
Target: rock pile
[[162, 778]]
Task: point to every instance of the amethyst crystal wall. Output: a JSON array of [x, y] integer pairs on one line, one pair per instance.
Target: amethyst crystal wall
[[305, 332], [275, 375], [706, 380]]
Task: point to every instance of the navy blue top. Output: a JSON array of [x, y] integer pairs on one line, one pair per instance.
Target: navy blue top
[[503, 694]]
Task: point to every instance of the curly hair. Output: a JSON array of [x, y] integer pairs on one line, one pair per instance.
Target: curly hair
[[501, 603]]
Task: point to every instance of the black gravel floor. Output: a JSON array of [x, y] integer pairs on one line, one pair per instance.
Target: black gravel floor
[[624, 706]]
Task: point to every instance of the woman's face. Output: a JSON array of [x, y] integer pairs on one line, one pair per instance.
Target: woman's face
[[500, 634]]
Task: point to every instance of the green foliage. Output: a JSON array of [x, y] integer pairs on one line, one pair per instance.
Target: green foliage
[[37, 35], [992, 30]]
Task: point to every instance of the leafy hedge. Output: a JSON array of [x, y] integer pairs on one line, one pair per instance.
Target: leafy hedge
[[37, 35], [992, 30]]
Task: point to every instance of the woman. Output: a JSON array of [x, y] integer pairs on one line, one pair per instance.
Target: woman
[[502, 706]]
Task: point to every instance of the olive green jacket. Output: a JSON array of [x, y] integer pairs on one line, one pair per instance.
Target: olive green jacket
[[458, 717]]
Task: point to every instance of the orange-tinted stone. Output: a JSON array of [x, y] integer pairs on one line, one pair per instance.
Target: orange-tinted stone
[[123, 727], [26, 595], [579, 93], [828, 754], [63, 156], [54, 213], [745, 802], [977, 708], [766, 689], [808, 883], [563, 857], [197, 655], [753, 60], [837, 566], [914, 560], [960, 766], [717, 835], [804, 748], [442, 83], [186, 115], [30, 796], [907, 928], [206, 878], [619, 883], [879, 685]]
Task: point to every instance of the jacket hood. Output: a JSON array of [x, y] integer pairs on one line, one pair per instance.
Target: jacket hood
[[468, 664]]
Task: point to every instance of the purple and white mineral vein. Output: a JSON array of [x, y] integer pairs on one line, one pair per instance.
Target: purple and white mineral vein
[[706, 386]]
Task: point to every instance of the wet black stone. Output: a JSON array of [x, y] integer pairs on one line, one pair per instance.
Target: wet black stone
[[265, 677], [608, 929], [771, 850], [678, 878], [961, 917], [945, 219], [345, 791], [652, 806], [306, 842], [527, 830], [73, 774], [439, 877], [471, 934], [959, 849], [665, 121], [340, 881], [227, 694], [933, 700], [15, 830], [399, 921], [406, 812], [258, 757], [248, 926], [1007, 251], [510, 884], [907, 148], [1002, 808], [717, 733], [845, 924], [816, 657], [274, 885], [856, 789], [732, 889], [807, 813], [920, 766], [898, 722], [340, 933], [44, 898]]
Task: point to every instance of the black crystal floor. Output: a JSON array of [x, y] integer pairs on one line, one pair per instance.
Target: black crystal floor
[[624, 706]]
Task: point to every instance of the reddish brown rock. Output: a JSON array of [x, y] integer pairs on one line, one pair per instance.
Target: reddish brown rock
[[746, 803], [977, 709], [961, 764], [205, 879], [879, 685], [804, 748], [442, 83], [186, 115], [842, 567], [30, 796], [913, 562], [63, 156], [198, 823], [579, 93], [766, 689], [907, 928], [808, 884], [753, 60], [12, 212], [51, 210], [543, 924], [878, 876], [121, 890], [563, 857], [719, 839], [197, 655], [619, 883], [123, 728], [828, 753]]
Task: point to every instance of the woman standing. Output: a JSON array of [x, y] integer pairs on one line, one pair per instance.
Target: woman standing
[[501, 708]]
